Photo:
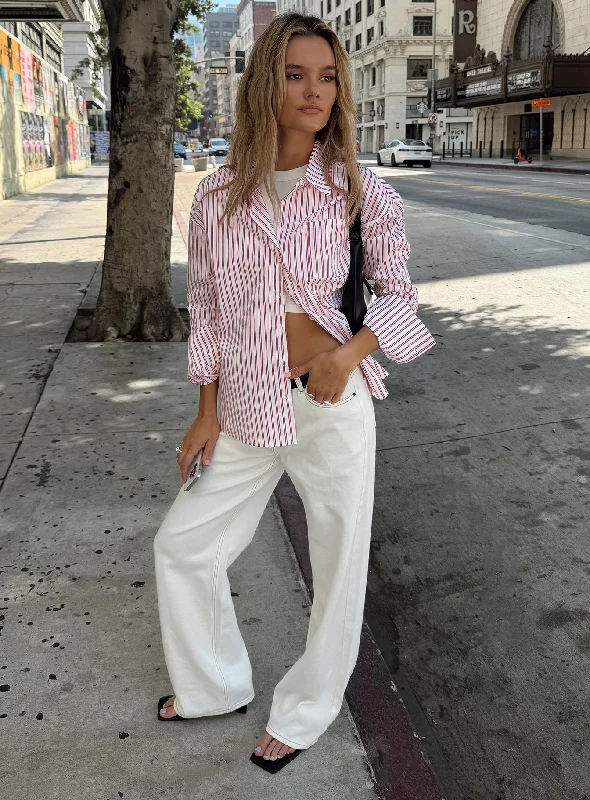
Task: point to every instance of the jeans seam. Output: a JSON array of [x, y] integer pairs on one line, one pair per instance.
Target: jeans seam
[[214, 587], [364, 472]]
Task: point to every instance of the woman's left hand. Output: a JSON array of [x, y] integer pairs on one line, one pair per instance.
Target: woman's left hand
[[328, 375]]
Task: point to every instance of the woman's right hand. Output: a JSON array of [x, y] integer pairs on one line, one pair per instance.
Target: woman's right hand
[[202, 435]]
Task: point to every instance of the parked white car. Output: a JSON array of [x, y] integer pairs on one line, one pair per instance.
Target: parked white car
[[218, 147], [405, 151]]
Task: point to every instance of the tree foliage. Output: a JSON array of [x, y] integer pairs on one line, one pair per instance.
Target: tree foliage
[[187, 109]]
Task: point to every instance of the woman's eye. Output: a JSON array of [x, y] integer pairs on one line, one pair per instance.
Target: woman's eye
[[329, 77], [293, 75]]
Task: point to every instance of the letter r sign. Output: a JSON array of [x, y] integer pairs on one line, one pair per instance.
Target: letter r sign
[[466, 22]]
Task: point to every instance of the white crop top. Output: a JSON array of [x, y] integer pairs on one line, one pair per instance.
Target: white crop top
[[285, 181]]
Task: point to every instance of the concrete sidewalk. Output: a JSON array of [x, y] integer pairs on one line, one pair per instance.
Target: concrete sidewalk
[[88, 437]]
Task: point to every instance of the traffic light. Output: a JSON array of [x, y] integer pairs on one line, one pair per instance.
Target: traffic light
[[210, 116], [240, 61]]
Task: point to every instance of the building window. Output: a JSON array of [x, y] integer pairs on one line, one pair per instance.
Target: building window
[[328, 6], [370, 35], [322, 9], [337, 3], [417, 68], [9, 26], [338, 23], [32, 37], [382, 4], [347, 17], [347, 45], [381, 29], [538, 23], [422, 26], [357, 42], [358, 12], [370, 7], [373, 76], [53, 54]]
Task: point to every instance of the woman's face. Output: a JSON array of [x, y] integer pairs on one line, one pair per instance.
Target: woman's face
[[310, 76]]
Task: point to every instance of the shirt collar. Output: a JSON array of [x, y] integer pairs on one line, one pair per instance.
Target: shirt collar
[[315, 168]]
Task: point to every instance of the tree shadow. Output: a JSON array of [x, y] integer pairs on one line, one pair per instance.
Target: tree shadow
[[479, 559]]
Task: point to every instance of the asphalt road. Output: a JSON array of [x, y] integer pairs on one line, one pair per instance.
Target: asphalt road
[[480, 570], [552, 199]]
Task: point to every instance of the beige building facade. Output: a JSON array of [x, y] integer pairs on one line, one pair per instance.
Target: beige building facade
[[391, 46], [527, 51]]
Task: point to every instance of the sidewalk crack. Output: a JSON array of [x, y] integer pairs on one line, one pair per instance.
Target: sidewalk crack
[[480, 435]]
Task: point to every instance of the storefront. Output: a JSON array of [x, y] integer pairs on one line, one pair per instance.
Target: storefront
[[501, 96], [538, 49]]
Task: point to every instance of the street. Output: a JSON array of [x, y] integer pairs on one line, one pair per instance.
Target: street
[[554, 200], [480, 565]]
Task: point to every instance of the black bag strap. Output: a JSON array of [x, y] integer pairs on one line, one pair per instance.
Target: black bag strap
[[355, 228], [355, 236]]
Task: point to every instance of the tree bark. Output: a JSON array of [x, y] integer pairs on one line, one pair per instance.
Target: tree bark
[[135, 299]]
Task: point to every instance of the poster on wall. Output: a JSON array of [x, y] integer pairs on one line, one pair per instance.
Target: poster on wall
[[26, 78], [60, 140], [38, 85], [37, 146], [48, 141], [84, 141], [10, 67], [48, 90]]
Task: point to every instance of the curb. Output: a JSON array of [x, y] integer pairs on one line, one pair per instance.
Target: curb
[[527, 168], [401, 768]]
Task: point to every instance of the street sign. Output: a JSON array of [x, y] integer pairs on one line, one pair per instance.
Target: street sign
[[217, 70], [432, 118], [540, 103]]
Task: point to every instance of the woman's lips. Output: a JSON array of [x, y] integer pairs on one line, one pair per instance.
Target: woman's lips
[[310, 110]]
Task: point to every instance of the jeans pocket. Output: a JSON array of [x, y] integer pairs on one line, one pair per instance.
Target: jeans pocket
[[347, 395]]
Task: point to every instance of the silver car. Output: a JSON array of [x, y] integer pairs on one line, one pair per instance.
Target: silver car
[[405, 151], [218, 147]]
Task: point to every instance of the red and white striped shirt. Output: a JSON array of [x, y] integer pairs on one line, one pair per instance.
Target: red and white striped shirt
[[237, 274]]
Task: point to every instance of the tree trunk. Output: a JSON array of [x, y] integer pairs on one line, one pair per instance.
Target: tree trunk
[[135, 297]]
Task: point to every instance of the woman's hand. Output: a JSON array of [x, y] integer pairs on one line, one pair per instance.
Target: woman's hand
[[202, 435], [328, 375]]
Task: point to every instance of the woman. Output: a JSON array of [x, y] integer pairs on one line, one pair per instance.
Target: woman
[[284, 384]]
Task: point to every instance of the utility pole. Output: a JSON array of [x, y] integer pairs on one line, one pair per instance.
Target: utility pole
[[433, 71], [433, 79]]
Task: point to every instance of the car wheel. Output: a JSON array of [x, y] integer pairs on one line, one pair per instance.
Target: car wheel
[[427, 164], [393, 161]]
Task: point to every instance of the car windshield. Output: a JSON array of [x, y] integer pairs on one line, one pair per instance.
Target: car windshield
[[413, 142], [216, 142]]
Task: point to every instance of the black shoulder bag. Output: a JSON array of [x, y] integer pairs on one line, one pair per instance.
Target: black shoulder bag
[[354, 306]]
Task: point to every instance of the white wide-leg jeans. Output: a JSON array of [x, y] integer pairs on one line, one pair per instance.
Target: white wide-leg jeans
[[332, 467]]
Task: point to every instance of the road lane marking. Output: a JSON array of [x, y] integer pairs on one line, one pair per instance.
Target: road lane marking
[[511, 227], [497, 189]]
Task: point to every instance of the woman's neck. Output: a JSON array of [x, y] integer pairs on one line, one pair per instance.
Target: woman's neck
[[294, 149]]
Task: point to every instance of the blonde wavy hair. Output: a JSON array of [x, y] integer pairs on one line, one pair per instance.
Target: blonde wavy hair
[[254, 150]]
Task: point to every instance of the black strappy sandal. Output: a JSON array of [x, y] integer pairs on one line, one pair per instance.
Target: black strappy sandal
[[274, 766], [162, 700]]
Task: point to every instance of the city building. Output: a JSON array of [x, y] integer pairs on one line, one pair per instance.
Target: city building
[[253, 18], [218, 28], [78, 45], [194, 41], [44, 131], [391, 52], [511, 54]]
